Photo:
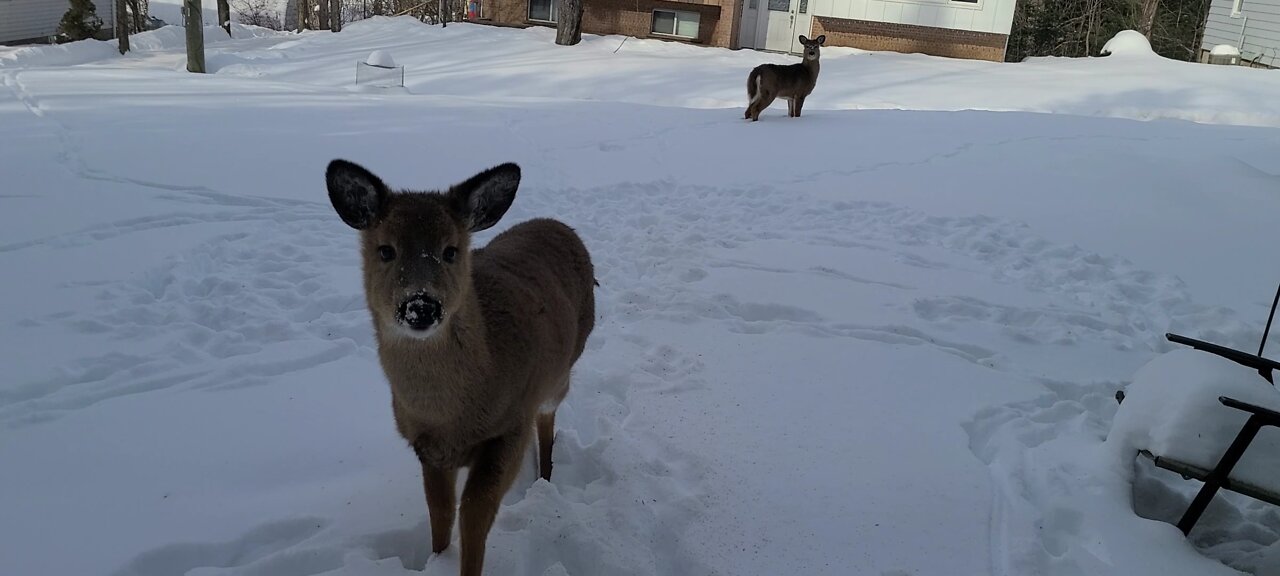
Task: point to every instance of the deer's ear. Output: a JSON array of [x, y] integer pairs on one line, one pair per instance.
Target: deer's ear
[[485, 197], [359, 197], [803, 40], [821, 39]]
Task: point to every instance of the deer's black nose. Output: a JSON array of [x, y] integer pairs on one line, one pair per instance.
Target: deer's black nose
[[419, 312]]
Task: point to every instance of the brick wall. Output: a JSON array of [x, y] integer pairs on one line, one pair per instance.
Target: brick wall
[[718, 20], [909, 38]]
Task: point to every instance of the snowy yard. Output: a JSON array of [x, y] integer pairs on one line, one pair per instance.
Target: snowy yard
[[881, 339]]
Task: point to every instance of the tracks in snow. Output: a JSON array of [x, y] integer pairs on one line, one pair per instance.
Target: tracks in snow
[[280, 293]]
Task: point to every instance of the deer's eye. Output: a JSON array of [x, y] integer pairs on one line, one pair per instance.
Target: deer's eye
[[450, 254], [386, 253]]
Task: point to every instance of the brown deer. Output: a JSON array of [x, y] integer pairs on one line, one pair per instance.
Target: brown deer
[[476, 344], [793, 82]]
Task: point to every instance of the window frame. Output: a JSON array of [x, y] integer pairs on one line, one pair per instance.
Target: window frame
[[551, 10], [675, 33]]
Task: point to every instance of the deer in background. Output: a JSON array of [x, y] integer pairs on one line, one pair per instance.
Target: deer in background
[[476, 344], [793, 82]]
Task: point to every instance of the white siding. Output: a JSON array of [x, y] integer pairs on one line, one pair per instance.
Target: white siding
[[995, 16], [28, 19], [1258, 19]]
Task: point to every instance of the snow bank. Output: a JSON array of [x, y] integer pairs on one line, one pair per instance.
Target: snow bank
[[175, 37], [1172, 409], [163, 39], [1128, 43], [67, 54]]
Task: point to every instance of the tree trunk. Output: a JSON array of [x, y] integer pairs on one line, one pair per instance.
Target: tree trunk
[[138, 21], [195, 35], [569, 22], [444, 13], [122, 25], [303, 10], [322, 14], [335, 15], [224, 16], [1148, 18]]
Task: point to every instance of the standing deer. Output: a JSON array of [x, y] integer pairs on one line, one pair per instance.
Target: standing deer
[[793, 82], [476, 344]]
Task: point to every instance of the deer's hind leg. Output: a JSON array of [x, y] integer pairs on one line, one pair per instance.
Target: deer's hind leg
[[765, 100], [546, 440], [547, 428]]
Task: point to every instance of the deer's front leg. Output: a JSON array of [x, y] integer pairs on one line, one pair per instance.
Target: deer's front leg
[[799, 105], [495, 468], [440, 486], [791, 107]]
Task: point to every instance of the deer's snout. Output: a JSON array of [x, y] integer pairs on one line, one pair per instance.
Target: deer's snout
[[419, 312]]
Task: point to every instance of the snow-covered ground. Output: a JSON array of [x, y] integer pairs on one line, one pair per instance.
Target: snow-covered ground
[[880, 339]]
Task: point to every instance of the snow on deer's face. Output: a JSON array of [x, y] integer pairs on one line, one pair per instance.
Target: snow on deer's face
[[415, 246]]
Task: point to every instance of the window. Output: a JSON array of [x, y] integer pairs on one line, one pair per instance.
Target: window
[[780, 5], [966, 1], [675, 23], [1235, 8], [542, 10]]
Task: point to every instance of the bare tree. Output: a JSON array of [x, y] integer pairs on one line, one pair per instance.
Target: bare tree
[[304, 9], [138, 10], [224, 16], [259, 13], [122, 26], [335, 15], [1146, 22], [569, 22]]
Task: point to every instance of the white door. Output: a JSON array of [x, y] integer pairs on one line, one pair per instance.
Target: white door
[[781, 23], [779, 26]]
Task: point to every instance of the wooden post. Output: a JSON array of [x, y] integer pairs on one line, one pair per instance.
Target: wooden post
[[569, 22], [335, 15], [122, 25], [224, 16], [195, 35]]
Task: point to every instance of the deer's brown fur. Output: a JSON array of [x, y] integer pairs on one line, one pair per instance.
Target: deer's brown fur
[[476, 344], [793, 82]]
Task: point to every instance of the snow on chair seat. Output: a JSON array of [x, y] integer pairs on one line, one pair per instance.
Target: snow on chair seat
[[1197, 415]]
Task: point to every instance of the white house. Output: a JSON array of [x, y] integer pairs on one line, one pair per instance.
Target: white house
[[1251, 26], [23, 21], [976, 29]]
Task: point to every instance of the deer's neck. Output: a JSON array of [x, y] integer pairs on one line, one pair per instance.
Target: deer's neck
[[812, 66]]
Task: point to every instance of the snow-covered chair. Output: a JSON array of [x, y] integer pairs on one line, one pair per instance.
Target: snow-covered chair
[[1214, 429]]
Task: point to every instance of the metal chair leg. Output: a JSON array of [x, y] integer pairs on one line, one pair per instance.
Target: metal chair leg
[[1220, 473]]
